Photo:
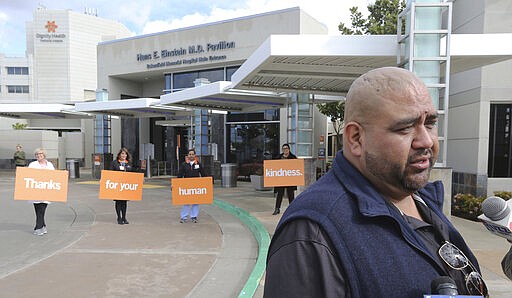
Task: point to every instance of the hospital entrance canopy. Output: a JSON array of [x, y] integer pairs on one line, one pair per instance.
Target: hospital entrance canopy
[[324, 65]]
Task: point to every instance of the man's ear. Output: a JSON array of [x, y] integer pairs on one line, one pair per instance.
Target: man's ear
[[354, 134]]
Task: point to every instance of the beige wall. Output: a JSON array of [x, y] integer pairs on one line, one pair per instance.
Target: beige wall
[[119, 58], [472, 92], [65, 65], [30, 140]]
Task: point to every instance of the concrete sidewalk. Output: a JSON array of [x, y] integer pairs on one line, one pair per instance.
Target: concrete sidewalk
[[87, 254]]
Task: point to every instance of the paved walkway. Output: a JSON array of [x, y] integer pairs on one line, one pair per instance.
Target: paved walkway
[[87, 254]]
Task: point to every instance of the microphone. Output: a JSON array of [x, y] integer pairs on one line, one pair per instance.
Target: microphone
[[444, 285], [497, 217]]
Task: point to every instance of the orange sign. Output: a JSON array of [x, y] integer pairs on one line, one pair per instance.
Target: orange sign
[[118, 185], [41, 185], [283, 172], [192, 190]]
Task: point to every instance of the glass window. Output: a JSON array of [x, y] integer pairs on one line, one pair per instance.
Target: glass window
[[230, 71], [267, 115], [17, 70], [250, 144], [17, 89], [212, 75], [500, 146], [184, 80], [180, 81]]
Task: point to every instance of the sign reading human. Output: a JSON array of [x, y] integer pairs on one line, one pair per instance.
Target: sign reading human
[[41, 185], [117, 185], [283, 172], [192, 190]]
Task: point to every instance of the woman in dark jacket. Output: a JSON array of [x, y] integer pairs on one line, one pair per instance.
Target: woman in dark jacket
[[290, 190], [123, 162]]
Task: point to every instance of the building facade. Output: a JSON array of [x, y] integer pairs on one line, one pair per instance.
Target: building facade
[[479, 129], [152, 65], [59, 66]]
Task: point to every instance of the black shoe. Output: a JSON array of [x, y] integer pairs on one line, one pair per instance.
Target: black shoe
[[120, 221], [125, 222], [277, 211], [194, 219]]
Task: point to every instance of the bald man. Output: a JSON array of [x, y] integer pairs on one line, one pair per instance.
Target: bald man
[[373, 225]]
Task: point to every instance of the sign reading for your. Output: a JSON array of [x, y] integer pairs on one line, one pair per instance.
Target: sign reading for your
[[117, 185]]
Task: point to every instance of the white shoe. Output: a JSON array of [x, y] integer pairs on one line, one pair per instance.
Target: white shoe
[[44, 230], [39, 232]]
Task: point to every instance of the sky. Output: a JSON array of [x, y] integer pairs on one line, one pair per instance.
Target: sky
[[150, 16]]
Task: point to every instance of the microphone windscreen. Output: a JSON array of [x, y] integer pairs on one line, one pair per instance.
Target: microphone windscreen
[[495, 208], [443, 285]]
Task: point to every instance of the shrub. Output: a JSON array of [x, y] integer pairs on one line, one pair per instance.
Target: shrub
[[467, 206], [506, 195]]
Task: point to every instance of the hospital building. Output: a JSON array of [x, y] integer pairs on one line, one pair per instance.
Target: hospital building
[[236, 90]]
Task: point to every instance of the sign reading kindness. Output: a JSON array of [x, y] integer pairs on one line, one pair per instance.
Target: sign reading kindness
[[41, 185], [283, 172], [192, 190], [118, 185]]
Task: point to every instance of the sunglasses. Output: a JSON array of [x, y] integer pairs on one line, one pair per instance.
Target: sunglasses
[[456, 259]]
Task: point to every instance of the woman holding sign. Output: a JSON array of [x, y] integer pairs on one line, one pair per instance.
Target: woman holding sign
[[190, 168], [40, 207], [290, 190], [122, 163]]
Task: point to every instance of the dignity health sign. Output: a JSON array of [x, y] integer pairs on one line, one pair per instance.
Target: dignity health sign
[[118, 185], [41, 185], [283, 172], [192, 190]]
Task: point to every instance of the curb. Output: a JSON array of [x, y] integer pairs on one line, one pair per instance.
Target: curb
[[263, 239]]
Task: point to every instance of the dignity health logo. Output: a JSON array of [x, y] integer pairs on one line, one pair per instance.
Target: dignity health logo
[[51, 26], [51, 36]]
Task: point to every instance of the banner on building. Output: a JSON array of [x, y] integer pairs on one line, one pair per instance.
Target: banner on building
[[118, 185], [283, 172], [41, 185], [192, 190]]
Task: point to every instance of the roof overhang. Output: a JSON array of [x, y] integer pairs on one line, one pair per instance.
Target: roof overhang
[[329, 64], [314, 63], [42, 111], [468, 51], [134, 107], [220, 96]]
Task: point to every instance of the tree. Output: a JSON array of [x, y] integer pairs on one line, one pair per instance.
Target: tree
[[335, 111], [19, 126], [382, 19]]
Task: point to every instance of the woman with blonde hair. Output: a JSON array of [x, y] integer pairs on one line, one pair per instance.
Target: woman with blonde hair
[[40, 206]]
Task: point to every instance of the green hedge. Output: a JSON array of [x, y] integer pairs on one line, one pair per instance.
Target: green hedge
[[470, 207]]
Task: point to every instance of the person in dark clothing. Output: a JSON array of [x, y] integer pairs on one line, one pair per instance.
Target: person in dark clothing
[[373, 225], [188, 169], [290, 190], [19, 157], [123, 162]]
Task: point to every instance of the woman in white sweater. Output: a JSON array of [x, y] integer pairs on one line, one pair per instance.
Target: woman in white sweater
[[40, 206]]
